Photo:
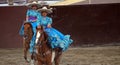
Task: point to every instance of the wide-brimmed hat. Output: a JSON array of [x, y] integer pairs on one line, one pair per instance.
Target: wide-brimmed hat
[[45, 9], [33, 3]]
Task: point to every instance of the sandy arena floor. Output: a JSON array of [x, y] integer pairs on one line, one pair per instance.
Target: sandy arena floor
[[73, 56]]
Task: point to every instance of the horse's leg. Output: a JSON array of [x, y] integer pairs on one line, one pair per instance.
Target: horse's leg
[[39, 63], [48, 59], [57, 57], [49, 63], [26, 47], [53, 55], [32, 59]]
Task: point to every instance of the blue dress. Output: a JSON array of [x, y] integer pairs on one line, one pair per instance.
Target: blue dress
[[32, 15], [55, 37]]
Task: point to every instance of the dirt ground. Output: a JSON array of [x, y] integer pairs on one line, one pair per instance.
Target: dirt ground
[[109, 55]]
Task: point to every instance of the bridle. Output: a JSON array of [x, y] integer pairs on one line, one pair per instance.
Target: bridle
[[40, 40]]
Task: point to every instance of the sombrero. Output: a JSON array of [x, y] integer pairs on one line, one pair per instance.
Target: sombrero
[[33, 3], [45, 9]]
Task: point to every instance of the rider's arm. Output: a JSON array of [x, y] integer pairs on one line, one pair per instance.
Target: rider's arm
[[26, 18], [49, 23], [27, 15]]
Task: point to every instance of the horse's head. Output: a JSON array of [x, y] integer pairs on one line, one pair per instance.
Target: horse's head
[[27, 28], [39, 35], [42, 46], [40, 38]]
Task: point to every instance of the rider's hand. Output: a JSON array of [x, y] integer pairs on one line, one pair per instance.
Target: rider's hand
[[49, 26], [34, 20]]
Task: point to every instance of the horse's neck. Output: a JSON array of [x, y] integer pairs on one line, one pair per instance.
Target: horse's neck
[[45, 44], [30, 34], [28, 31]]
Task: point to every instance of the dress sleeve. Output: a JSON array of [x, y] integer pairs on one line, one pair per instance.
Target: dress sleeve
[[28, 13], [49, 21]]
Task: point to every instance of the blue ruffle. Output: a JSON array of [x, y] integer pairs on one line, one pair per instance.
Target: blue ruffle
[[57, 39]]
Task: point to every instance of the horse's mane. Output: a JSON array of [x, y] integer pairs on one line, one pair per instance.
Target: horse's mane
[[30, 28], [28, 24], [45, 34]]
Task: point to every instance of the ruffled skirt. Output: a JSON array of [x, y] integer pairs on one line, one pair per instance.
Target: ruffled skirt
[[57, 39]]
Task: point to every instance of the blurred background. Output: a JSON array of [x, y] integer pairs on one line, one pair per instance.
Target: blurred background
[[89, 22], [56, 2]]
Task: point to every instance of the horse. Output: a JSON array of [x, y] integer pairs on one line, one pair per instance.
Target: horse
[[45, 54], [28, 33]]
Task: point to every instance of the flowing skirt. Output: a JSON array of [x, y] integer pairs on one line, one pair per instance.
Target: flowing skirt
[[57, 39]]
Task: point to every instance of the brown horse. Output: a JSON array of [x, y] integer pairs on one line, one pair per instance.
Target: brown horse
[[26, 39], [45, 54]]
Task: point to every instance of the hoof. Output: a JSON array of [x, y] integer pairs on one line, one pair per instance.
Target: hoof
[[32, 62]]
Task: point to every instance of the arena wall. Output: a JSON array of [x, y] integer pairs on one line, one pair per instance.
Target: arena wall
[[96, 24]]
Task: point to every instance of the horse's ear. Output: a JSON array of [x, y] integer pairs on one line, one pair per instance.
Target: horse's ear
[[27, 25], [40, 28]]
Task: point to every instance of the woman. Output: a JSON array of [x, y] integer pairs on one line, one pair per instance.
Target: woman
[[33, 17], [56, 38]]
